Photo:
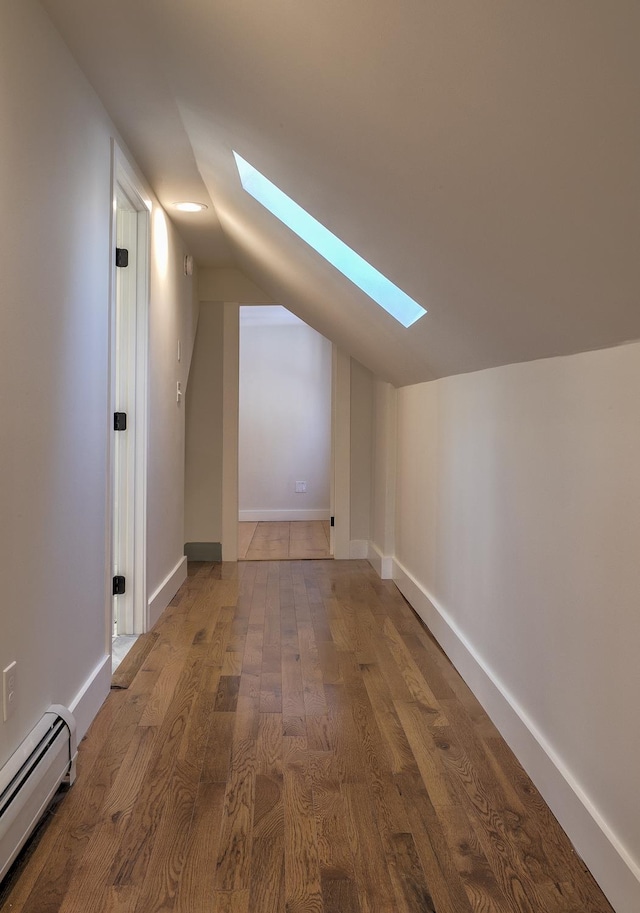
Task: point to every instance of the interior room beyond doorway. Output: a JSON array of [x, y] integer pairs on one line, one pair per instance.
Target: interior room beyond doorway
[[284, 437]]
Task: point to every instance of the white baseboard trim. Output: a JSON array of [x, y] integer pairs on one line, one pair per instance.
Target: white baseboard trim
[[166, 591], [282, 516], [382, 564], [359, 548], [91, 696], [615, 870]]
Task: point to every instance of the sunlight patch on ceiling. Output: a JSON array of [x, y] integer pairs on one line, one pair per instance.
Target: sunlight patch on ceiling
[[403, 308]]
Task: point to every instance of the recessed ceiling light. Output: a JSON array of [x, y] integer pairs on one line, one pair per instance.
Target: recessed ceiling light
[[190, 207]]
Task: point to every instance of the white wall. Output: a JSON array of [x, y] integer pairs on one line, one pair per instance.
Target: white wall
[[383, 478], [518, 540], [55, 185], [229, 284], [203, 476], [285, 417], [173, 318], [230, 432], [361, 415]]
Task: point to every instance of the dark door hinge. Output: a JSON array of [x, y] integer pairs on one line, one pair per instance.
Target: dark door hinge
[[122, 257], [118, 585], [119, 421], [333, 521]]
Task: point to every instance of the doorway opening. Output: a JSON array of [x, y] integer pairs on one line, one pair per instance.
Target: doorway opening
[[284, 437]]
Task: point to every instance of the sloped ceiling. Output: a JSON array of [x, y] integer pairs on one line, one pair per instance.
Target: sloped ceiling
[[485, 156]]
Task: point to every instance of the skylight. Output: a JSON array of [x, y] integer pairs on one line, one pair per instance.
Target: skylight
[[405, 310]]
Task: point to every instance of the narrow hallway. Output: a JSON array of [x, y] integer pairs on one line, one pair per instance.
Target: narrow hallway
[[293, 739]]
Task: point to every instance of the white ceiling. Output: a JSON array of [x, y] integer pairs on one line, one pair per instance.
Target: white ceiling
[[484, 156]]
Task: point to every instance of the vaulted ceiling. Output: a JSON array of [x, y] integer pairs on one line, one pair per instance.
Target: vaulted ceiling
[[484, 156]]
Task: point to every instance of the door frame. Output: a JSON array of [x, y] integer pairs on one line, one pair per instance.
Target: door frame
[[340, 441], [127, 183], [341, 453]]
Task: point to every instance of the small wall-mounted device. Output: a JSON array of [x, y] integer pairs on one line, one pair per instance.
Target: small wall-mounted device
[[188, 265], [9, 690]]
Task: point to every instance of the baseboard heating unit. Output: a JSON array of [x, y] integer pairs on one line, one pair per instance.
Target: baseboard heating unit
[[30, 778]]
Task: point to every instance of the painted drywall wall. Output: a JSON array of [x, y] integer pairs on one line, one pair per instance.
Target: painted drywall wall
[[285, 417], [340, 493], [230, 284], [518, 529], [55, 184], [362, 391], [173, 318], [230, 423], [203, 473], [383, 478]]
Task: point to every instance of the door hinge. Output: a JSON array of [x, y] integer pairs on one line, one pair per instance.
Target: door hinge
[[118, 585], [333, 521], [122, 257], [119, 421]]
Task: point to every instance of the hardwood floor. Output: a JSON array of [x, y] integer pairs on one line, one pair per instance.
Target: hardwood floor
[[294, 740], [270, 541]]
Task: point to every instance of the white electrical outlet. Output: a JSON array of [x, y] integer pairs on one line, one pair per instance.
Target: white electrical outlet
[[301, 487], [9, 690]]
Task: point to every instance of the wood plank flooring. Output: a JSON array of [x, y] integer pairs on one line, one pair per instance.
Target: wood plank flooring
[[296, 742], [274, 541]]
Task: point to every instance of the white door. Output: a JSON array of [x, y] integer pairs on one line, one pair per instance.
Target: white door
[[128, 397], [124, 405]]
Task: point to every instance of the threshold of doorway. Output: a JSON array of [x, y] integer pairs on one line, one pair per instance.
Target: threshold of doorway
[[133, 660], [288, 540], [120, 646]]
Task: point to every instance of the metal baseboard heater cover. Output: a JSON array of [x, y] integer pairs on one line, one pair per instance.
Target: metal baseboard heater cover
[[31, 776]]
